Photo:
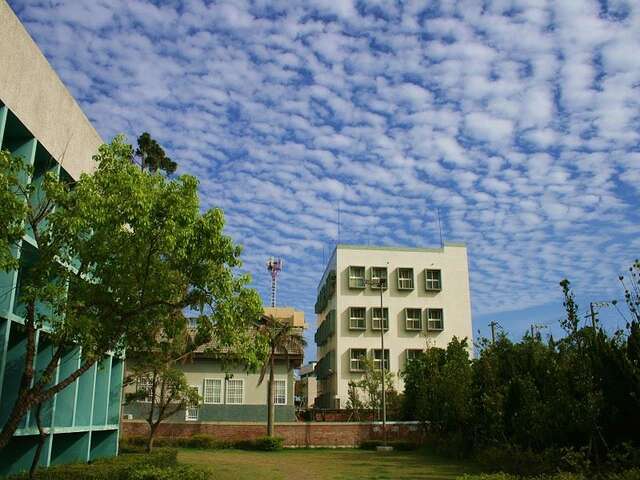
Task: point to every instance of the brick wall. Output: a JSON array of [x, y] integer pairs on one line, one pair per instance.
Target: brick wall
[[300, 434]]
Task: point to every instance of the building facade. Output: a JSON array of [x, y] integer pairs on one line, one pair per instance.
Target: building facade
[[41, 122], [425, 302], [229, 392], [307, 386]]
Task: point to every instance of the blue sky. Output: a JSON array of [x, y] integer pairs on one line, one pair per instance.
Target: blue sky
[[518, 120]]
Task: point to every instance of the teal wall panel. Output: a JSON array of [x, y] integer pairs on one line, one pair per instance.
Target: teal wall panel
[[70, 447], [18, 455], [84, 403], [3, 120], [14, 367], [115, 391], [65, 400], [101, 394], [45, 353], [103, 444]]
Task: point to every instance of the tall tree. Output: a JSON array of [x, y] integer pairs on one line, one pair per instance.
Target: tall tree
[[152, 156], [122, 249], [282, 338]]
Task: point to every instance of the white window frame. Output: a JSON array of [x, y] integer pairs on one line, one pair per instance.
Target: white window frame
[[376, 361], [384, 320], [432, 284], [356, 360], [405, 283], [275, 391], [362, 320], [211, 400], [412, 328], [226, 391], [411, 351], [189, 415], [431, 321], [374, 278], [357, 281], [146, 384]]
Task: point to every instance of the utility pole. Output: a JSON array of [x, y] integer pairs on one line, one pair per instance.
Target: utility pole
[[493, 324]]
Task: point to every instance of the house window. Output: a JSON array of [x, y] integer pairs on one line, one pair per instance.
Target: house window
[[377, 317], [212, 390], [356, 361], [356, 277], [435, 319], [145, 384], [357, 318], [433, 279], [279, 392], [378, 274], [412, 354], [235, 392], [405, 279], [191, 412], [377, 357], [413, 319]]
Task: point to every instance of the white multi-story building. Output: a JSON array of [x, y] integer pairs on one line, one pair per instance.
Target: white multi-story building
[[425, 303]]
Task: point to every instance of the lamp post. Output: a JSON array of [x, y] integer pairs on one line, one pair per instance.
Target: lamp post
[[380, 285]]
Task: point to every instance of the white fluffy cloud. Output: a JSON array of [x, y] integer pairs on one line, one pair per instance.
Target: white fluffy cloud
[[518, 121]]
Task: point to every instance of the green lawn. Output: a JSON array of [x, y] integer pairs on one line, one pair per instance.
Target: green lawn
[[320, 464]]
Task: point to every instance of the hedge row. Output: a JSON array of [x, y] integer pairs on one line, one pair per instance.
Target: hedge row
[[207, 442], [159, 465], [632, 474]]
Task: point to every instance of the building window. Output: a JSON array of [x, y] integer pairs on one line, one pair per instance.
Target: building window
[[356, 360], [357, 318], [433, 279], [235, 392], [212, 390], [435, 319], [377, 316], [413, 319], [145, 384], [412, 354], [279, 392], [356, 277], [191, 412], [377, 357], [405, 279], [378, 274]]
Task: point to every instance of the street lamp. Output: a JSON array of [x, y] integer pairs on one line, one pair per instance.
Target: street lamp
[[380, 284]]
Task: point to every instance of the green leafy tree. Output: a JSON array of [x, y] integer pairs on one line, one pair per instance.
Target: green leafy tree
[[366, 393], [152, 156], [281, 338], [122, 249]]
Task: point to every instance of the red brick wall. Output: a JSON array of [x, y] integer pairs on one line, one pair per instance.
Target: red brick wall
[[301, 434]]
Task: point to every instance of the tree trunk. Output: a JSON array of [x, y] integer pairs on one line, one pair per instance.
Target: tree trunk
[[270, 406], [41, 438], [152, 433]]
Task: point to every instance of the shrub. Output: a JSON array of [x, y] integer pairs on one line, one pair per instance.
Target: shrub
[[117, 468], [181, 472], [510, 459], [267, 444]]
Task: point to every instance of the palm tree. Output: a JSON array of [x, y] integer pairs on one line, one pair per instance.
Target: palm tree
[[282, 338]]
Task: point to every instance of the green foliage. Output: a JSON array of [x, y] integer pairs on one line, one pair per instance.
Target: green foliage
[[204, 442], [118, 468], [534, 406], [152, 156], [122, 255], [366, 394], [181, 472], [266, 444]]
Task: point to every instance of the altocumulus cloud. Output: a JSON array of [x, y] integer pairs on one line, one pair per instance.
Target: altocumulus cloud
[[518, 119]]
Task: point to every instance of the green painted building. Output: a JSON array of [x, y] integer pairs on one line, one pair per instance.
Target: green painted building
[[41, 122]]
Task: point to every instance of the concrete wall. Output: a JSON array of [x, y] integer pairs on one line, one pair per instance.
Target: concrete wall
[[34, 93], [453, 299], [300, 434]]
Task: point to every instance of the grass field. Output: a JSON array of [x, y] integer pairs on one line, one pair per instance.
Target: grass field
[[320, 464]]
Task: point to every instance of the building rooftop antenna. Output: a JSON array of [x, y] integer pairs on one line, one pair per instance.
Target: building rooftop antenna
[[275, 266]]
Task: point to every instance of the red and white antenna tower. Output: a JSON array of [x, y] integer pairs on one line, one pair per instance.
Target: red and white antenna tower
[[275, 266]]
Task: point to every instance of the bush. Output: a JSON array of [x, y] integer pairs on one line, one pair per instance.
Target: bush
[[117, 468], [181, 472], [266, 444], [517, 461]]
